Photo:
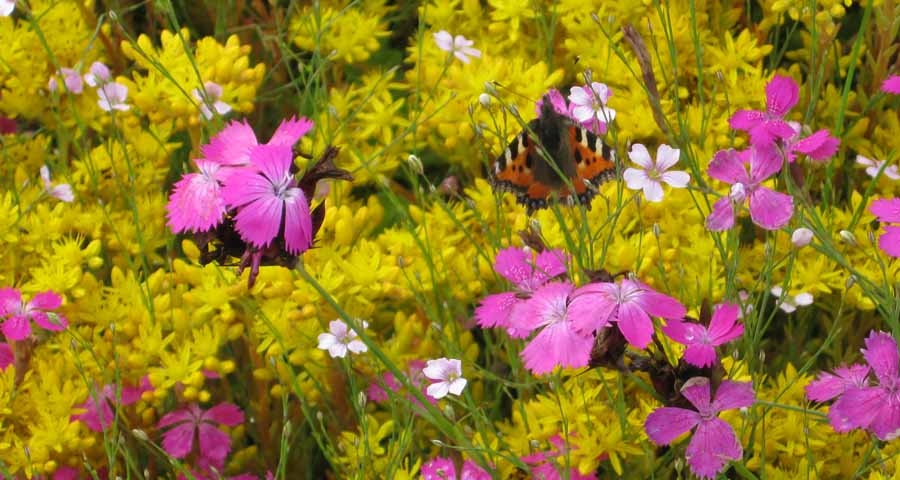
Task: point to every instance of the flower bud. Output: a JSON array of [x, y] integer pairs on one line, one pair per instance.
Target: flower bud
[[416, 164], [848, 237], [485, 100], [802, 237]]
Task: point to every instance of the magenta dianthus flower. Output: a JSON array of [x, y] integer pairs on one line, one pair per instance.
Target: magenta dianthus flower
[[18, 315], [99, 415], [559, 343], [768, 209], [714, 442], [443, 468], [193, 422], [6, 356], [888, 212], [819, 146], [831, 385], [891, 85], [702, 341]]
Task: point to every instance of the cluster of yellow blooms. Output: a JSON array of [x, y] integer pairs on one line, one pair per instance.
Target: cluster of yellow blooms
[[411, 252]]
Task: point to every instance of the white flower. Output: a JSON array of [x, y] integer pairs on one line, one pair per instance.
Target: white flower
[[112, 97], [341, 339], [448, 373], [210, 101], [7, 7], [97, 75], [590, 103], [652, 174], [459, 46], [873, 166], [801, 237], [62, 191], [789, 303]]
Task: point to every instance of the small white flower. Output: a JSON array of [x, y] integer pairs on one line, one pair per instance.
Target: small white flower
[[448, 374], [590, 103], [873, 166], [112, 97], [341, 339], [459, 46], [63, 191], [97, 75], [71, 78], [653, 174], [789, 303], [801, 237], [7, 7], [211, 101]]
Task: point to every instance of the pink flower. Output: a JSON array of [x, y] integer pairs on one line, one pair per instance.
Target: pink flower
[[768, 209], [63, 191], [888, 211], [589, 106], [192, 422], [447, 376], [6, 356], [99, 415], [714, 442], [819, 146], [210, 100], [443, 468], [112, 97], [527, 273], [340, 339], [559, 343], [268, 201], [831, 385], [97, 75], [764, 128], [653, 173], [196, 203], [702, 341], [544, 464], [377, 393], [71, 78], [891, 85], [459, 46], [875, 408], [557, 100], [629, 304], [18, 315]]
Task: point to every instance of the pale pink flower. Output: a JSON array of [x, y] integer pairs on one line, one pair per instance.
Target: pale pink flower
[[112, 97], [62, 191], [447, 376], [701, 341], [268, 200], [888, 212], [97, 75], [629, 304], [589, 106], [527, 273], [874, 408], [194, 423], [765, 127], [210, 100], [6, 356], [768, 209], [377, 393], [827, 386], [196, 203], [99, 414], [443, 468], [340, 339], [459, 46], [7, 7], [19, 315], [653, 173], [891, 85], [874, 166], [71, 78], [819, 146], [802, 237], [713, 443], [789, 303]]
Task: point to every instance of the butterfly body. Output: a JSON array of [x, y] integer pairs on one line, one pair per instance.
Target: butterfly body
[[553, 155]]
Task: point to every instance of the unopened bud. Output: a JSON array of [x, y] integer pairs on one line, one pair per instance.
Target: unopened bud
[[801, 237], [485, 100], [448, 412], [720, 76], [871, 236], [656, 231], [361, 399], [851, 280], [588, 76], [140, 434], [848, 237], [437, 442], [416, 164], [762, 356], [490, 89]]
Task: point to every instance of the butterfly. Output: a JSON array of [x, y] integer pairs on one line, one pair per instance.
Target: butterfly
[[568, 149]]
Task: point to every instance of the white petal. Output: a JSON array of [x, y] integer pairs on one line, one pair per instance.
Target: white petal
[[338, 350], [606, 114], [457, 386], [635, 179], [653, 191], [777, 291], [438, 390], [579, 96], [666, 157], [357, 346], [444, 40], [676, 178], [63, 192], [583, 113], [803, 299], [602, 91], [326, 340], [641, 156]]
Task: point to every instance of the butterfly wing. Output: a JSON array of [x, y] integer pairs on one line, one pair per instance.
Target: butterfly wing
[[595, 164], [513, 171]]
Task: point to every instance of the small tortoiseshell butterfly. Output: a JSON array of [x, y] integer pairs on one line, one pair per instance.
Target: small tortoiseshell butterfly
[[577, 153]]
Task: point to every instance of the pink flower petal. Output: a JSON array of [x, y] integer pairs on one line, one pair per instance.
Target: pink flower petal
[[439, 468], [881, 354], [232, 145], [297, 224], [731, 395], [226, 414], [727, 166], [722, 215], [856, 408], [723, 326], [635, 325], [549, 264], [179, 416], [50, 321], [16, 327], [886, 424], [290, 131], [546, 306], [514, 264], [592, 307], [712, 446], [782, 93], [557, 344], [696, 390], [891, 85], [665, 424], [746, 119], [886, 210], [494, 310], [179, 441], [471, 471], [196, 203], [818, 146], [214, 443], [48, 300], [10, 301], [889, 241], [828, 386], [769, 209], [700, 355], [659, 304], [6, 356], [764, 162]]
